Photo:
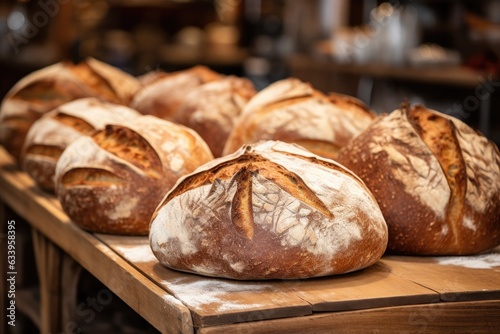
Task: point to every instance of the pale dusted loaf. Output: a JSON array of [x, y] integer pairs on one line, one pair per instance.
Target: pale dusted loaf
[[49, 136], [269, 211], [112, 181], [293, 111], [45, 89], [211, 109], [163, 95], [436, 180]]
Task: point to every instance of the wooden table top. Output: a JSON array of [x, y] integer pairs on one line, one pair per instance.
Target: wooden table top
[[399, 293]]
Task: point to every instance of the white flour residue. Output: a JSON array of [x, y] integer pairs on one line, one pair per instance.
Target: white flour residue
[[469, 223], [215, 293], [482, 261], [137, 253], [124, 208]]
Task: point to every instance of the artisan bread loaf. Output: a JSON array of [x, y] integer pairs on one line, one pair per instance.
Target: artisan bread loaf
[[49, 136], [112, 181], [271, 210], [436, 180], [45, 89], [151, 77], [293, 111], [162, 96], [211, 109]]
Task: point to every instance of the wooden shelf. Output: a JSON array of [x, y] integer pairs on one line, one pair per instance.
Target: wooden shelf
[[457, 76]]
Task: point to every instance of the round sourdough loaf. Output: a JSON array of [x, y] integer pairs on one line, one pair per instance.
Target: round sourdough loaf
[[150, 77], [211, 109], [436, 180], [47, 88], [163, 95], [269, 211], [292, 111], [112, 181], [49, 136]]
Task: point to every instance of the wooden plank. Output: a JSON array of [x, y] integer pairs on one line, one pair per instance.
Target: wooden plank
[[43, 211], [455, 278], [212, 301], [371, 287], [458, 317]]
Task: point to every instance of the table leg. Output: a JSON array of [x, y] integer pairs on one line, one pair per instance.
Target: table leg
[[48, 261], [70, 276]]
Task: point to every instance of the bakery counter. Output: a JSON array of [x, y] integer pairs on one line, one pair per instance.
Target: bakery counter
[[398, 294]]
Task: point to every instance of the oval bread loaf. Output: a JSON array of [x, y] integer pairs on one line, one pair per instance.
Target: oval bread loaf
[[436, 180], [112, 181], [49, 136], [211, 109], [293, 111], [269, 211], [162, 96], [47, 88]]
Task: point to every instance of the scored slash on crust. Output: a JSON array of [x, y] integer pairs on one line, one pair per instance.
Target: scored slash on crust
[[439, 134], [242, 171], [128, 145]]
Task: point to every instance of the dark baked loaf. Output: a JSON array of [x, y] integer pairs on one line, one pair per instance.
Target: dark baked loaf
[[45, 89], [293, 111], [164, 94], [436, 180], [269, 211], [49, 136], [112, 181], [212, 109]]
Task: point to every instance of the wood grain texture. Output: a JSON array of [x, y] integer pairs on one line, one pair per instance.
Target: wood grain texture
[[369, 288], [455, 278], [462, 317]]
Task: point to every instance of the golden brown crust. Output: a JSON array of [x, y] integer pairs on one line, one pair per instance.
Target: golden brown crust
[[108, 82], [212, 109], [163, 97], [438, 133], [112, 182], [351, 103], [130, 146], [151, 77], [423, 166], [294, 112], [45, 89], [76, 123], [49, 136], [269, 211]]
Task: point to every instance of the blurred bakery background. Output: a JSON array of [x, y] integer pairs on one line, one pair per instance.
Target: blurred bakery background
[[442, 53]]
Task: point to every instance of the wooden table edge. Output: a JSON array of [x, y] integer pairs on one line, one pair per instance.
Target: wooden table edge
[[436, 318]]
